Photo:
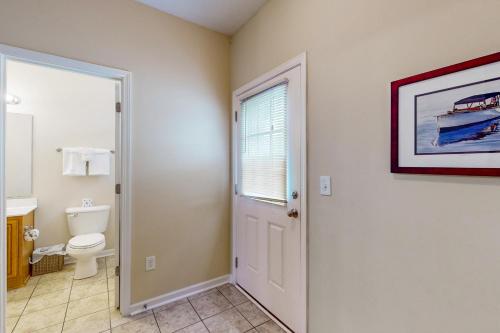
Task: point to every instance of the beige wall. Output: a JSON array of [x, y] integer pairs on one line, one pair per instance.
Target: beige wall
[[388, 253], [180, 125], [69, 110]]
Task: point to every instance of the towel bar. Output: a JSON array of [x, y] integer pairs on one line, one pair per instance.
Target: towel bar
[[60, 150]]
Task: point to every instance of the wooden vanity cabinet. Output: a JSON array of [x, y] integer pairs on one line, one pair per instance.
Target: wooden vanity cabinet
[[18, 250]]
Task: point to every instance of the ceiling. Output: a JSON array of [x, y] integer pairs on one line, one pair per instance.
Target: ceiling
[[225, 16]]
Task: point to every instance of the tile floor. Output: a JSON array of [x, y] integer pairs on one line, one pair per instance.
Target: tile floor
[[57, 303]]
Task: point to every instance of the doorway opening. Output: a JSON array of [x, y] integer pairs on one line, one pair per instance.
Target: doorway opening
[[64, 194]]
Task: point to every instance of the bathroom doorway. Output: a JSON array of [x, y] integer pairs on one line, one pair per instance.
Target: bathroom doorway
[[64, 192]]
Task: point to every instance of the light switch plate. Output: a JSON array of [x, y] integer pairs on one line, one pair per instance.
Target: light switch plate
[[150, 263], [325, 185]]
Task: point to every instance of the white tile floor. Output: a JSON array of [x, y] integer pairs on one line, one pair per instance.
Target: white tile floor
[[57, 303]]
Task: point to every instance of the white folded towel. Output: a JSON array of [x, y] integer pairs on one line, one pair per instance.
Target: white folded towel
[[73, 163], [99, 161]]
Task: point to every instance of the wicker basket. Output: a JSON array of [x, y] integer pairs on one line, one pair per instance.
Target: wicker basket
[[48, 264]]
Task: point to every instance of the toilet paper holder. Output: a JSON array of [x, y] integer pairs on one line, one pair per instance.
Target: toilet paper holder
[[30, 233]]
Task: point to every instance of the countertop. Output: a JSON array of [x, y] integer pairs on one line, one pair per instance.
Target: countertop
[[21, 207]]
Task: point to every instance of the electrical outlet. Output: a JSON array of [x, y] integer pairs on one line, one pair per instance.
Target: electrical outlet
[[150, 263]]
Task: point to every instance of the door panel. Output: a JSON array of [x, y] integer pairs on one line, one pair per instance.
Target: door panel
[[276, 254], [252, 242], [268, 240]]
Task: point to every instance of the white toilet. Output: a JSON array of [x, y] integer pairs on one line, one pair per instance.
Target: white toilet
[[86, 225]]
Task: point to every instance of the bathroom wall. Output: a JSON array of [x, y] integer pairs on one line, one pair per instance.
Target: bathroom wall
[[387, 253], [181, 125], [69, 110]]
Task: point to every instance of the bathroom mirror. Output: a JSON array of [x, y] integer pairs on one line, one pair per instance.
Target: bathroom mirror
[[18, 155]]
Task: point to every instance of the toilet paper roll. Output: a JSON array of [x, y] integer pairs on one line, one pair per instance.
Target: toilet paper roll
[[31, 234]]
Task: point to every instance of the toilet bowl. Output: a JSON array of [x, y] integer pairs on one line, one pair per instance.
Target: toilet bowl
[[86, 225], [84, 249]]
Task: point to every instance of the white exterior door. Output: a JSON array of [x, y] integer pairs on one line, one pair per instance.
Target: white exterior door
[[268, 200]]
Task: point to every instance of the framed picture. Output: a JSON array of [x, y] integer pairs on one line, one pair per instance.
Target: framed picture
[[447, 121]]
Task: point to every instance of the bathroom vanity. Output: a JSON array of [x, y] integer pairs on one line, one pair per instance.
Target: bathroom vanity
[[20, 216]]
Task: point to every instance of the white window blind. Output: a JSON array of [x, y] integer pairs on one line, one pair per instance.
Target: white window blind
[[263, 151]]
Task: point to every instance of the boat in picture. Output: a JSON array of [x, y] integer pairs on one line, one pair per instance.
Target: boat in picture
[[470, 112]]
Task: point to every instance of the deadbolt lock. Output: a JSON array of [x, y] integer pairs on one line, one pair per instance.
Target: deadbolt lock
[[295, 194]]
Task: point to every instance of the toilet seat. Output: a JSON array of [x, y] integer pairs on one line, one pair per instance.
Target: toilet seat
[[86, 241]]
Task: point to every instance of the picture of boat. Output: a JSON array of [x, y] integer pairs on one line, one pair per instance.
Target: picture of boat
[[458, 120], [469, 112]]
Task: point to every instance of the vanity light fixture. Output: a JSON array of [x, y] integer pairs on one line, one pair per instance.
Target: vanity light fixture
[[12, 99]]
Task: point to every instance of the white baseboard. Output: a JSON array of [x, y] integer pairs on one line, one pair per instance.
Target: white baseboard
[[176, 295], [104, 253]]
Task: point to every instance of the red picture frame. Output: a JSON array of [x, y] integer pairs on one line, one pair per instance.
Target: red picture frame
[[396, 85]]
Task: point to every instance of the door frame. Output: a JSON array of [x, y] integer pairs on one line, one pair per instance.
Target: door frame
[[299, 61], [124, 176]]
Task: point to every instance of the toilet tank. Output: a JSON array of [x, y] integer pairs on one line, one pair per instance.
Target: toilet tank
[[87, 220]]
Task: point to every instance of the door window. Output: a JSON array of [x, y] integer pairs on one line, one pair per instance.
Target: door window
[[263, 140]]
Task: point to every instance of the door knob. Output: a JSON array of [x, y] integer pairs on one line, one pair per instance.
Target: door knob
[[293, 213]]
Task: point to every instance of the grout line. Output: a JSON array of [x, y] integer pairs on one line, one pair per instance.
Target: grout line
[[248, 321], [248, 300], [50, 307], [218, 313], [269, 315], [40, 311], [17, 322], [89, 314], [203, 293], [232, 307], [72, 285], [53, 291], [26, 305], [67, 304], [156, 321], [141, 315], [107, 289], [201, 320], [109, 301], [128, 322], [29, 298], [241, 313], [109, 316], [50, 292], [24, 308], [215, 290], [79, 299], [236, 306], [69, 301]]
